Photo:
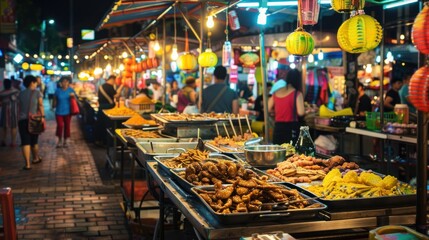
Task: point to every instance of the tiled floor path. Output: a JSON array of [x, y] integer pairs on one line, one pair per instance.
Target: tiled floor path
[[64, 197]]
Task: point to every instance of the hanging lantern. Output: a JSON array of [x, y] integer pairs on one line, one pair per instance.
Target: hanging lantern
[[118, 80], [154, 62], [309, 10], [249, 59], [300, 42], [359, 34], [187, 62], [207, 58], [420, 32], [419, 89], [144, 65], [127, 74], [149, 63], [342, 6]]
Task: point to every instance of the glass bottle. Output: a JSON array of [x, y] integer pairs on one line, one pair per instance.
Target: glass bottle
[[304, 144]]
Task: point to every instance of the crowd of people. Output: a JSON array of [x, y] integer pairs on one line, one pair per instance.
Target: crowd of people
[[285, 104]]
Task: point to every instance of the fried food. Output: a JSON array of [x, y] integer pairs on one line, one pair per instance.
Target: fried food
[[120, 111], [139, 120], [236, 199], [136, 133], [186, 158]]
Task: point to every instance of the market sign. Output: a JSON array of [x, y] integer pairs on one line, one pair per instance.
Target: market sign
[[87, 34]]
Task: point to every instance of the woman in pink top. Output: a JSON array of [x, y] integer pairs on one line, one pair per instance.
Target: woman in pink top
[[287, 103]]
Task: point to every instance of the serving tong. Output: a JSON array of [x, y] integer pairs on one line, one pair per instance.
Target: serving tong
[[284, 205]]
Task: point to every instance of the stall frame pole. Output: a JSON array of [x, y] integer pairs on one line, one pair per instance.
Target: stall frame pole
[[264, 81]]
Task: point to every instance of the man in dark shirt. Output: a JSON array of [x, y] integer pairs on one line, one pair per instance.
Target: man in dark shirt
[[364, 102], [106, 100], [392, 96], [259, 104], [219, 97]]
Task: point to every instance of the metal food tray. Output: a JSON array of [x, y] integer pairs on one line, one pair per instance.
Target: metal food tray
[[186, 185], [112, 117], [361, 203], [141, 126], [222, 150], [161, 158], [160, 117], [162, 138], [262, 216]]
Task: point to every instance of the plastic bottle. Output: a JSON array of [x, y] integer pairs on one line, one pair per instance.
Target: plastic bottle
[[304, 144]]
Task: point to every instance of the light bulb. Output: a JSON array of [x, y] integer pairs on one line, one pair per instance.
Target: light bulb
[[310, 58], [156, 47], [320, 55], [174, 54], [210, 22], [262, 17], [291, 58]]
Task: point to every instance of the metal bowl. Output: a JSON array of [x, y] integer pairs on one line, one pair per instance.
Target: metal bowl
[[264, 155]]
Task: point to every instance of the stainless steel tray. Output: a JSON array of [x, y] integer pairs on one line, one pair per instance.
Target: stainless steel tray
[[161, 117], [186, 185], [225, 149], [161, 158], [135, 140], [361, 203], [147, 150], [260, 216], [116, 117]]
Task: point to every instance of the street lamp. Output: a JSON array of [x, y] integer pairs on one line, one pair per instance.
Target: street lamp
[[43, 34]]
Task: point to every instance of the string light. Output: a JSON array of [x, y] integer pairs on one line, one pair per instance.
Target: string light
[[210, 22]]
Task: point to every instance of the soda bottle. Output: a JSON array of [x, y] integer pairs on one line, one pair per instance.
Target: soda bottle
[[304, 144]]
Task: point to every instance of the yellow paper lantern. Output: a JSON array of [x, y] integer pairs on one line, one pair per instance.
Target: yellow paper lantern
[[25, 65], [359, 34], [347, 5], [36, 67], [187, 62], [207, 58], [300, 42]]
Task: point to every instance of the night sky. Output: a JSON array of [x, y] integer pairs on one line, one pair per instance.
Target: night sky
[[86, 14]]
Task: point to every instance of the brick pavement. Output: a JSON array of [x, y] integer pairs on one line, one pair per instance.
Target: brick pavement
[[64, 197]]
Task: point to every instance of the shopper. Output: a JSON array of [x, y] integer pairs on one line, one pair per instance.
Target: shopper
[[392, 96], [363, 103], [51, 87], [287, 103], [107, 94], [187, 96], [219, 97], [30, 101], [172, 96], [9, 113], [404, 93], [61, 104]]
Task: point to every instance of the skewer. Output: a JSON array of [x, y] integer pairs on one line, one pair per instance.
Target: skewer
[[217, 130], [239, 124], [198, 133], [248, 124], [232, 126], [226, 130]]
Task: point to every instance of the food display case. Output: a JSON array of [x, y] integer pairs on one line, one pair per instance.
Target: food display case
[[203, 125]]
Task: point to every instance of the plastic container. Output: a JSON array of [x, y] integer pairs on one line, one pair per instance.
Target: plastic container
[[402, 112], [395, 232], [373, 119]]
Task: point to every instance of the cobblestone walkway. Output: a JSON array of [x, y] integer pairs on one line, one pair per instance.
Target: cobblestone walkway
[[64, 196]]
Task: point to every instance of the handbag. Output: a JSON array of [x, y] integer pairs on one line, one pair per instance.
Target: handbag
[[74, 108], [36, 124]]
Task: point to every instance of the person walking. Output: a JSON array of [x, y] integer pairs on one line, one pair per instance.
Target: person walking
[[61, 104], [9, 113], [30, 100], [187, 96], [287, 103], [363, 103], [219, 97], [51, 87]]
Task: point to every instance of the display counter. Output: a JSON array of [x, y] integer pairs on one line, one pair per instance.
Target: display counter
[[325, 225]]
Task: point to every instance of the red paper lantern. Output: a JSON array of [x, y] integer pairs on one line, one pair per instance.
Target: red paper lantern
[[155, 62], [149, 63], [419, 89], [144, 65], [420, 32], [127, 74]]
